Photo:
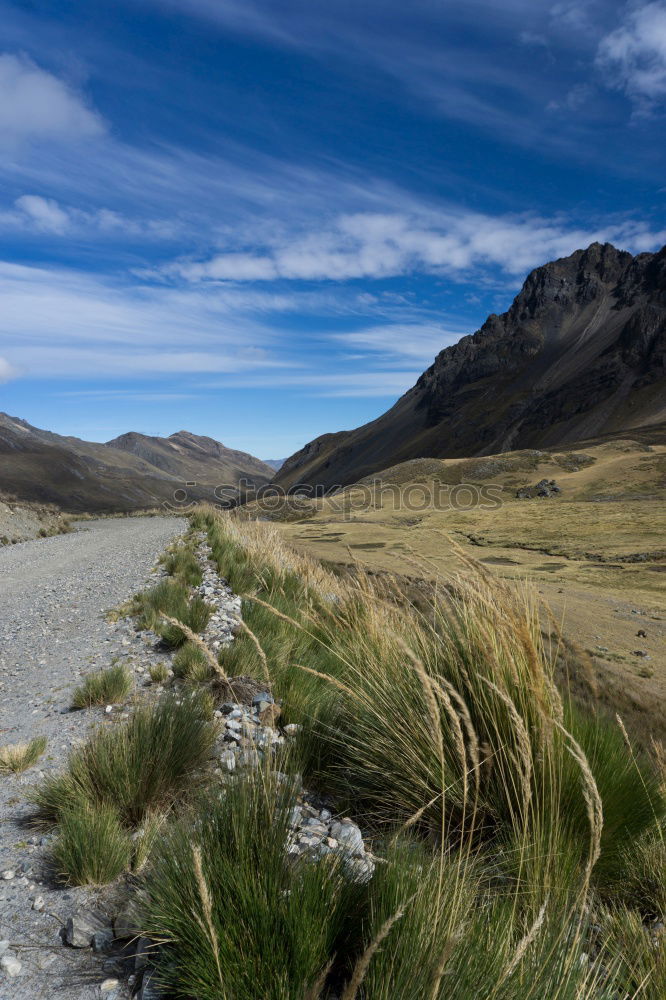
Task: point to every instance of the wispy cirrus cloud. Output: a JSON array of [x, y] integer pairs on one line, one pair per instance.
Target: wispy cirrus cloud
[[389, 382], [418, 342], [420, 47], [60, 323]]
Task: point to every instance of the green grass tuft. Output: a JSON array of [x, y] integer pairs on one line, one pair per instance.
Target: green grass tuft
[[181, 562], [240, 919], [107, 687], [172, 598], [137, 766], [190, 662], [159, 673], [92, 847]]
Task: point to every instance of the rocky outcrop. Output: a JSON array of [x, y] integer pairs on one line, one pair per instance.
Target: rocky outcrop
[[581, 353], [544, 488]]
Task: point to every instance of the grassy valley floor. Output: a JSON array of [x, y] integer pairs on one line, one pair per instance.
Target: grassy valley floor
[[596, 551]]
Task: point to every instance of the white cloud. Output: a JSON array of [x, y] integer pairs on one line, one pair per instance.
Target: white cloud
[[7, 372], [62, 324], [232, 266], [35, 104], [381, 245], [45, 213], [633, 56]]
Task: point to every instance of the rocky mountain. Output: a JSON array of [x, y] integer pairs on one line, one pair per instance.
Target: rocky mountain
[[131, 473], [580, 354]]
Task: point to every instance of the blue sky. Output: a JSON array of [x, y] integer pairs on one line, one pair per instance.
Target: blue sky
[[261, 220]]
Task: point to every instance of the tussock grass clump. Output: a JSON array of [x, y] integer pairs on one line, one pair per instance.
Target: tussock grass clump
[[640, 960], [191, 663], [171, 597], [18, 757], [92, 846], [238, 918], [641, 878], [158, 673], [450, 936], [137, 766], [181, 562], [104, 688]]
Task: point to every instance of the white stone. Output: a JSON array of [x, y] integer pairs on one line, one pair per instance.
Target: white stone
[[349, 835], [10, 965]]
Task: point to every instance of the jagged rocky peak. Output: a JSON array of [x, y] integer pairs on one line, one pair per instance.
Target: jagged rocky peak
[[579, 353]]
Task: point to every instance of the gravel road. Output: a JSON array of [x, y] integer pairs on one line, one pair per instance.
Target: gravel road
[[54, 593]]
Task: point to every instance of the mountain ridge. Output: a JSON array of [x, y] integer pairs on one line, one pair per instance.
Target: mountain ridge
[[185, 452], [77, 475], [581, 352]]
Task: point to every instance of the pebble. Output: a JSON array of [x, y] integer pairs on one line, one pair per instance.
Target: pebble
[[8, 875], [108, 985], [38, 904], [10, 965]]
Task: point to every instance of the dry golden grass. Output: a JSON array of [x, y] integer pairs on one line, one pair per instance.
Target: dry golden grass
[[18, 757]]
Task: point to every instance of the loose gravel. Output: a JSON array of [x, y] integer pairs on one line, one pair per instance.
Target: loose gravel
[[54, 596]]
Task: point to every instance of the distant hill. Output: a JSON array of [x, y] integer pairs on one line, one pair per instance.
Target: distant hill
[[580, 354], [275, 463], [194, 458], [132, 472]]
